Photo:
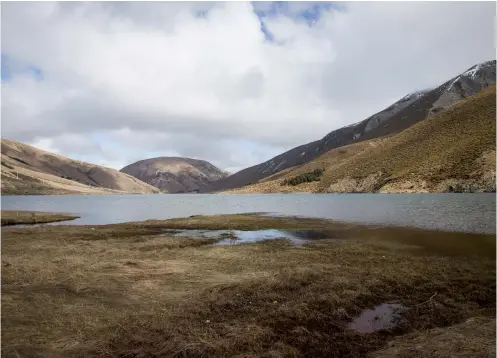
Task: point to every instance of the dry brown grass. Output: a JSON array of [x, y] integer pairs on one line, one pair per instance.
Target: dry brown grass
[[15, 217], [474, 338], [22, 181], [122, 290], [456, 144]]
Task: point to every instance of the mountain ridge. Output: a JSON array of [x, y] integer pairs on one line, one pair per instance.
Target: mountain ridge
[[451, 151], [402, 114]]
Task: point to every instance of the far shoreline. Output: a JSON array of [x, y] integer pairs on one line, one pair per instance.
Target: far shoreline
[[24, 217]]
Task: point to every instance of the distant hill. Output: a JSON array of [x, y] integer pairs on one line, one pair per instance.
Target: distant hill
[[29, 170], [451, 151], [175, 174], [402, 114]]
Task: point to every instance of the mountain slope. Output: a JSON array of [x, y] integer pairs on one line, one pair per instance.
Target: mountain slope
[[453, 150], [175, 174], [402, 114], [29, 170]]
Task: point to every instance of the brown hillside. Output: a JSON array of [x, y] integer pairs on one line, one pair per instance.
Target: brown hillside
[[175, 174], [453, 150], [29, 170]]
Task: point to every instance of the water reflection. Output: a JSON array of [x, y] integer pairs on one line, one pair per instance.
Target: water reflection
[[235, 237], [381, 317]]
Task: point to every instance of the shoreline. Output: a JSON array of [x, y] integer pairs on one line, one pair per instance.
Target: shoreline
[[67, 218], [25, 217], [245, 191]]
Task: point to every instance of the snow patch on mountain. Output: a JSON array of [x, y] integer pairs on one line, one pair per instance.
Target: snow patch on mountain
[[414, 95], [452, 84], [472, 71]]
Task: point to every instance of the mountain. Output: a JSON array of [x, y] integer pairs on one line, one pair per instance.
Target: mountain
[[451, 151], [175, 174], [407, 111], [29, 170]]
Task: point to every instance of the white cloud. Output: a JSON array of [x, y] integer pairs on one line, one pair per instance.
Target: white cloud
[[45, 144], [197, 85]]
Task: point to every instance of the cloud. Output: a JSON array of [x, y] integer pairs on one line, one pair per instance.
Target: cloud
[[232, 83]]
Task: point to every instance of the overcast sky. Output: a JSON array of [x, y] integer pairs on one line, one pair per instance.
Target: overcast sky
[[232, 83]]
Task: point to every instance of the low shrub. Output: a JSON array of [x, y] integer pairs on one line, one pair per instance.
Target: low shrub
[[308, 177]]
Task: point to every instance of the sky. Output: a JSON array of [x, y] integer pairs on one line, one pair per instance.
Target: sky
[[233, 83]]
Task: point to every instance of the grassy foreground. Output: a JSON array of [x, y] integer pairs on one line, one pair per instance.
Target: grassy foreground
[[131, 290], [15, 217]]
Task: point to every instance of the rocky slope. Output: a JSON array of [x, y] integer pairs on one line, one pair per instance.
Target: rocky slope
[[29, 170], [175, 174], [451, 151], [402, 114]]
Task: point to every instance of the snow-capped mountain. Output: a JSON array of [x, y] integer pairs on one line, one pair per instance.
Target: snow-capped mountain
[[466, 84], [410, 109]]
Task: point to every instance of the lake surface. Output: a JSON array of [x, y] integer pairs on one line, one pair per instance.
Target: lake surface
[[473, 212]]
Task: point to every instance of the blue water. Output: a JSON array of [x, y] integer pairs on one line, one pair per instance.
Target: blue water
[[297, 237], [452, 212]]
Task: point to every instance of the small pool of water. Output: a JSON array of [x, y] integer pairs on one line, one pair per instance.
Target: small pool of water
[[381, 317], [236, 237]]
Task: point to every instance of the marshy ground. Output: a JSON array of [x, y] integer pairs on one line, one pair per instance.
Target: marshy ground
[[133, 290]]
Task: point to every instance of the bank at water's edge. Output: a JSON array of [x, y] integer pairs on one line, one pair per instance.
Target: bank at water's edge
[[17, 217]]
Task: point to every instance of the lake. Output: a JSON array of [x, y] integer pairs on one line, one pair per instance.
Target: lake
[[473, 212]]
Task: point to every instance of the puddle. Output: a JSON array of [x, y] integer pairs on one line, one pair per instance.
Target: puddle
[[381, 317], [235, 237]]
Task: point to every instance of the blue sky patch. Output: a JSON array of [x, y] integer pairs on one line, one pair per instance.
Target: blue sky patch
[[310, 13], [5, 69], [35, 72], [10, 68], [313, 13], [267, 34]]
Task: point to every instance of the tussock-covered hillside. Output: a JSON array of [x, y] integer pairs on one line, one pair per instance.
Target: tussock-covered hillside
[[452, 150]]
